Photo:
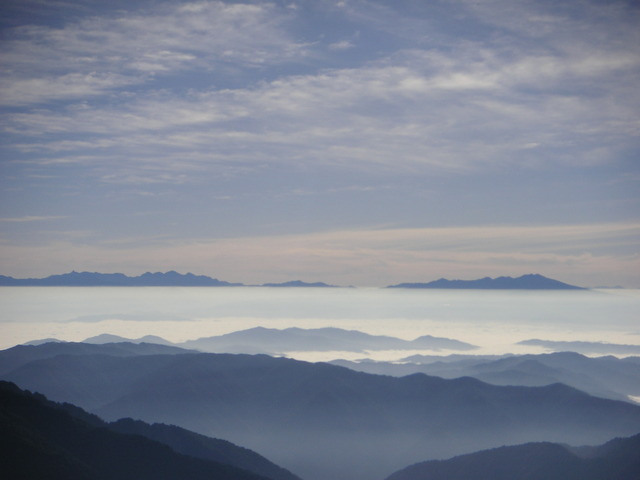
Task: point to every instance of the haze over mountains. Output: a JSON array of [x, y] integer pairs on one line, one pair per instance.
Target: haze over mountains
[[317, 420], [172, 278], [608, 377], [42, 439]]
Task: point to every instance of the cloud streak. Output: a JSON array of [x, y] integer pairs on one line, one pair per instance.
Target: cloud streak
[[374, 257], [30, 219], [139, 45], [377, 115]]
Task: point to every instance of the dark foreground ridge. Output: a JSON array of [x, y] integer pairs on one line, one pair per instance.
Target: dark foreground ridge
[[41, 439], [618, 459], [525, 282]]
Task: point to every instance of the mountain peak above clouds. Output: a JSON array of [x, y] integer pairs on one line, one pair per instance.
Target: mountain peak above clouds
[[274, 341], [110, 338], [525, 282], [95, 279]]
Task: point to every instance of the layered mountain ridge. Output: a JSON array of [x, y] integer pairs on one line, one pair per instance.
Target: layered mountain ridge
[[318, 420]]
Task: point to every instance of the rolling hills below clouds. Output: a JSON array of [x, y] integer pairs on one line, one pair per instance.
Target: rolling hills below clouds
[[322, 421], [274, 341]]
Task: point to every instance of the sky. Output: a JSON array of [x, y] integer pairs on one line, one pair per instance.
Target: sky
[[355, 142]]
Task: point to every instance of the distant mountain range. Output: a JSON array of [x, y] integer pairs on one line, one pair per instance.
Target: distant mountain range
[[274, 341], [93, 279], [43, 440], [608, 376], [157, 279], [317, 420], [172, 278], [525, 282]]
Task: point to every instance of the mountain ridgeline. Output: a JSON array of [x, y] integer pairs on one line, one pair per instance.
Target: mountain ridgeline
[[608, 377], [172, 278], [317, 420]]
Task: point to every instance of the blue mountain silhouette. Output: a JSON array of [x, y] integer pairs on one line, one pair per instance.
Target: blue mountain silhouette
[[525, 282]]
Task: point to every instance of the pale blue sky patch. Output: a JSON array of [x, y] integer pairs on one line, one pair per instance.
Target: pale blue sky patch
[[202, 122]]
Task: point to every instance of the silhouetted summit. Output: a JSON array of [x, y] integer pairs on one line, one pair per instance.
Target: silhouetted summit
[[525, 282]]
